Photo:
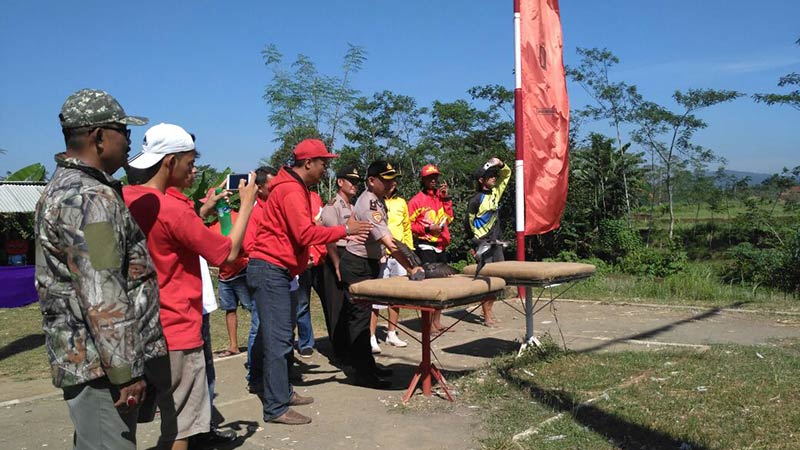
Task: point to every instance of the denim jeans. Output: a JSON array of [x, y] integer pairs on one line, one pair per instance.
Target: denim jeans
[[305, 333], [272, 349], [233, 293], [251, 338]]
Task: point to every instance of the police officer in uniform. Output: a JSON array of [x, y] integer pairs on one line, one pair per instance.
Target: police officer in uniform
[[337, 212], [361, 261]]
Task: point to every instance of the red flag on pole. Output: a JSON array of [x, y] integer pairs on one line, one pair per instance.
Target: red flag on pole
[[544, 117]]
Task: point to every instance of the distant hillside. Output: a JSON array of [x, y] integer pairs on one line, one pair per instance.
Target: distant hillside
[[755, 178]]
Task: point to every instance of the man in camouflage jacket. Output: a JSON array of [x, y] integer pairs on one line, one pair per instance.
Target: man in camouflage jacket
[[97, 284]]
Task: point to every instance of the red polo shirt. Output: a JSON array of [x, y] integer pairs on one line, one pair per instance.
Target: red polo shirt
[[175, 238]]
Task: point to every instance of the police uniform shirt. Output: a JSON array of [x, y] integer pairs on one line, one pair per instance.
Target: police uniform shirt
[[370, 208], [336, 213]]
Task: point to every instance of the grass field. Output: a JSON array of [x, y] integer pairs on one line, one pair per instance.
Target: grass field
[[698, 285], [729, 397]]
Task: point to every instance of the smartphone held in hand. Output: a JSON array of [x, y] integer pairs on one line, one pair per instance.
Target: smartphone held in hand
[[233, 180]]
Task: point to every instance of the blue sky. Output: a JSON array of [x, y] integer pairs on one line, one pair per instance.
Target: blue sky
[[198, 63]]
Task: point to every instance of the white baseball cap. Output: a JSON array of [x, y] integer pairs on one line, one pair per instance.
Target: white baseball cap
[[161, 140]]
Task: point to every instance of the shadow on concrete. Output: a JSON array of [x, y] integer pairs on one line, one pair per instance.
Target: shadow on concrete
[[249, 428], [484, 348], [22, 344], [662, 329], [618, 431], [464, 315]]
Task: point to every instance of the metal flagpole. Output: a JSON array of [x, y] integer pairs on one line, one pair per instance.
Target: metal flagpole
[[525, 292]]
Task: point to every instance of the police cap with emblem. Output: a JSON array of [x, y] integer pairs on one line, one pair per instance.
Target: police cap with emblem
[[349, 173], [382, 169]]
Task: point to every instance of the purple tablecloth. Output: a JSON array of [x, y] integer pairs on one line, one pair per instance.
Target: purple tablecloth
[[16, 286]]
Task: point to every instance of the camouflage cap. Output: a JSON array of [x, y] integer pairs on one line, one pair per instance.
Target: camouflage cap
[[94, 107]]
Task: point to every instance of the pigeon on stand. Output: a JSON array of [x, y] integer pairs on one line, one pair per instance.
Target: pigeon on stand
[[430, 270], [485, 249]]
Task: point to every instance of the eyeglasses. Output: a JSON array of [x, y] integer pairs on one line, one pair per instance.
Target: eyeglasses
[[121, 130]]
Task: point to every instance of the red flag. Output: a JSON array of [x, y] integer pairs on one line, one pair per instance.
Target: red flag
[[545, 115]]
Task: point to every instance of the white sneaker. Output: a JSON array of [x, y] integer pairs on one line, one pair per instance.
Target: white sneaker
[[392, 339], [374, 343]]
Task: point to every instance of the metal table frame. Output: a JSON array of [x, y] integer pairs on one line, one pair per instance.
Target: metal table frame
[[528, 285]]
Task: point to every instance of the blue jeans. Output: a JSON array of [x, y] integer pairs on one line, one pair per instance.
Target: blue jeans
[[272, 349], [305, 333], [233, 293], [251, 338]]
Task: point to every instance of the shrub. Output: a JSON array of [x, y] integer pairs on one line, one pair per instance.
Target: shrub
[[615, 240], [749, 264], [568, 256], [654, 262]]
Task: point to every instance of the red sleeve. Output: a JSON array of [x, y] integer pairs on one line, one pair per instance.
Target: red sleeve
[[252, 229], [190, 231], [301, 226]]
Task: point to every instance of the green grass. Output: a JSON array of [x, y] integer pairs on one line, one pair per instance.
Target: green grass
[[728, 397], [698, 285], [23, 355]]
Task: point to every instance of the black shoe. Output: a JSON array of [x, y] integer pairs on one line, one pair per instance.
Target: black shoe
[[383, 372], [254, 389], [372, 382], [306, 352], [213, 437]]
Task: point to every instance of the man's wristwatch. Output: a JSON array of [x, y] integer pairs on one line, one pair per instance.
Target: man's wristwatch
[[346, 230]]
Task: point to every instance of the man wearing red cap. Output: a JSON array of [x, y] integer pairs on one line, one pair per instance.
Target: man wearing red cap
[[431, 212], [279, 253]]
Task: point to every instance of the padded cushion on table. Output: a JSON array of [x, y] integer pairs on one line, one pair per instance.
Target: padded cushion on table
[[535, 271], [432, 289]]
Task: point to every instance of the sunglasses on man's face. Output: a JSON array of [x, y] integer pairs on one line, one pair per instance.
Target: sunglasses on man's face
[[121, 130]]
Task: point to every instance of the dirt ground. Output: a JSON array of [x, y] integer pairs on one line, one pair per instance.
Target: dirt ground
[[350, 417]]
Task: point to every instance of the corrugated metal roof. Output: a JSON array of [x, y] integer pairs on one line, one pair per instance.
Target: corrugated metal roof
[[19, 197]]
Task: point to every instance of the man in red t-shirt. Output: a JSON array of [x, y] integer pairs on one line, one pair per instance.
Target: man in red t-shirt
[[264, 175], [279, 252], [176, 236]]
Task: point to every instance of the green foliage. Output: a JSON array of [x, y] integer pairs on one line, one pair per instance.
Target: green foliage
[[570, 256], [17, 223], [668, 135], [33, 172], [301, 98], [654, 262], [615, 240], [749, 264], [791, 99], [772, 267]]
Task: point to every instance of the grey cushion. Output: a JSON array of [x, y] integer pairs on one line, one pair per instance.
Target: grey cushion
[[445, 290], [534, 272]]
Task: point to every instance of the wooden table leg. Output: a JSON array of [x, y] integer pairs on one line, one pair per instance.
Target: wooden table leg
[[425, 368]]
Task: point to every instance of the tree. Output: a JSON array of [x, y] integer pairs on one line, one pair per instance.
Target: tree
[[33, 172], [463, 135], [613, 101], [387, 126], [792, 98], [302, 98], [669, 135]]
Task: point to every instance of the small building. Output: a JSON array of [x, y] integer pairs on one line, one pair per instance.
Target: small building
[[17, 250]]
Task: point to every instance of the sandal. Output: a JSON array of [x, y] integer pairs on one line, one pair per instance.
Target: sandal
[[226, 353]]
